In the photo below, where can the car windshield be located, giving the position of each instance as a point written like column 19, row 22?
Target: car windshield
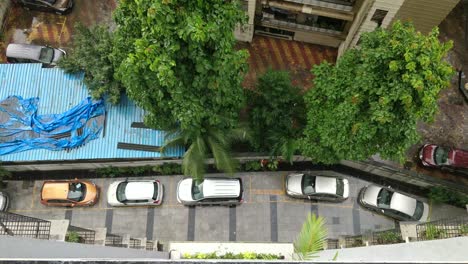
column 121, row 191
column 418, row 212
column 197, row 191
column 76, row 191
column 339, row 187
column 308, row 184
column 47, row 55
column 441, row 155
column 383, row 198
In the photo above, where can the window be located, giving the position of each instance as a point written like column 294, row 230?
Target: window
column 76, row 191
column 121, row 192
column 383, row 198
column 197, row 191
column 339, row 187
column 379, row 16
column 308, row 184
column 58, row 201
column 441, row 156
column 418, row 212
column 155, row 193
column 47, row 55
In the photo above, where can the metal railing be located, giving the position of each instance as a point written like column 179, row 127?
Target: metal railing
column 391, row 236
column 135, row 243
column 114, row 241
column 333, row 243
column 354, row 241
column 19, row 225
column 85, row 236
column 445, row 228
column 149, row 245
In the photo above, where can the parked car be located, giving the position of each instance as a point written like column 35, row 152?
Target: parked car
column 27, row 53
column 318, row 185
column 69, row 193
column 211, row 191
column 436, row 156
column 135, row 192
column 60, row 7
column 4, row 201
column 393, row 204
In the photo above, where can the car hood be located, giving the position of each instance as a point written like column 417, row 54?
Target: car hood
column 425, row 215
column 92, row 192
column 58, row 54
column 293, row 183
column 112, row 193
column 427, row 154
column 403, row 203
column 184, row 190
column 370, row 194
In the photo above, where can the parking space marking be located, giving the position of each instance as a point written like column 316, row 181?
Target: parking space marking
column 150, row 223
column 267, row 192
column 274, row 218
column 109, row 220
column 61, row 30
column 33, row 198
column 250, row 188
column 232, row 223
column 191, row 224
column 171, row 186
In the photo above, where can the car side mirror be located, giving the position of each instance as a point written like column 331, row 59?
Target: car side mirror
column 308, row 197
column 383, row 211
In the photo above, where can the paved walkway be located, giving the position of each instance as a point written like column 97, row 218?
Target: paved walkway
column 267, row 215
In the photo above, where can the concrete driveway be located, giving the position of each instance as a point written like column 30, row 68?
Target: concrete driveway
column 267, row 214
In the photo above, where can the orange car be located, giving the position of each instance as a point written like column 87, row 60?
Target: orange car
column 69, row 193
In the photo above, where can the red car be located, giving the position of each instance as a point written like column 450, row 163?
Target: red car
column 436, row 156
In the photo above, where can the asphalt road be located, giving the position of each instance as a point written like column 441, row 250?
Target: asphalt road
column 267, row 215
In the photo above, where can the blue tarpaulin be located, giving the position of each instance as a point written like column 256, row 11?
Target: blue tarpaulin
column 22, row 129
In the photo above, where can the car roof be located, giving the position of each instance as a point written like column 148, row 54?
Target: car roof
column 141, row 190
column 216, row 187
column 55, row 190
column 325, row 184
column 371, row 193
column 403, row 203
column 23, row 51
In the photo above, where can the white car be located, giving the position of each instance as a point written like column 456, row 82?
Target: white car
column 135, row 192
column 4, row 201
column 318, row 185
column 210, row 191
column 394, row 204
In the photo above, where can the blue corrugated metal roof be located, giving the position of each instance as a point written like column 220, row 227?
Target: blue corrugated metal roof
column 59, row 92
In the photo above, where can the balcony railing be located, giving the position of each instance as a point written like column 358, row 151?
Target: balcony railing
column 354, row 241
column 113, row 240
column 24, row 226
column 391, row 236
column 447, row 228
column 342, row 5
column 266, row 21
column 136, row 243
column 84, row 236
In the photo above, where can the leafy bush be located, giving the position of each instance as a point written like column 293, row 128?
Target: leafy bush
column 168, row 168
column 389, row 237
column 108, row 172
column 4, row 174
column 73, row 236
column 253, row 165
column 442, row 195
column 277, row 114
column 432, row 232
column 230, row 255
column 464, row 230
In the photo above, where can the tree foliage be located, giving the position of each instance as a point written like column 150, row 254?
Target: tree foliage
column 311, row 238
column 180, row 64
column 277, row 114
column 91, row 53
column 372, row 99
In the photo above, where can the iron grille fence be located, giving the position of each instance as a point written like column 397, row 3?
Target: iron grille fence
column 135, row 243
column 85, row 236
column 19, row 225
column 332, row 243
column 354, row 241
column 149, row 245
column 114, row 241
column 391, row 236
column 446, row 228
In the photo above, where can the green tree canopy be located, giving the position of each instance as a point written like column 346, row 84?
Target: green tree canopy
column 91, row 53
column 372, row 99
column 277, row 114
column 180, row 64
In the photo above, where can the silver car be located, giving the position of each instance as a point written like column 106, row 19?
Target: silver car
column 135, row 192
column 318, row 185
column 4, row 201
column 392, row 203
column 27, row 53
column 211, row 191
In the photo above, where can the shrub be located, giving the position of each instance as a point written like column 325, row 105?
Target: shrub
column 389, row 237
column 230, row 255
column 432, row 232
column 253, row 165
column 464, row 230
column 4, row 174
column 168, row 168
column 442, row 195
column 73, row 237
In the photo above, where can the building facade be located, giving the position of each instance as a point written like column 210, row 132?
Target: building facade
column 336, row 23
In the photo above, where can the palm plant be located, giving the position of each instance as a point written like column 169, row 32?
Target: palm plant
column 202, row 143
column 312, row 237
